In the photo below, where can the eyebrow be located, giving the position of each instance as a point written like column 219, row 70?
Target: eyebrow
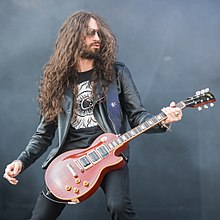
column 93, row 28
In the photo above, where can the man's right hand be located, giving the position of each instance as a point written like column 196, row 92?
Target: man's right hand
column 12, row 170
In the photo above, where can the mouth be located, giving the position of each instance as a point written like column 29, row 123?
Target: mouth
column 96, row 45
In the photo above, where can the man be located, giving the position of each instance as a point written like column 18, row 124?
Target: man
column 74, row 99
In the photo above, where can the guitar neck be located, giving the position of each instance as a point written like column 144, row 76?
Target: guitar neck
column 148, row 124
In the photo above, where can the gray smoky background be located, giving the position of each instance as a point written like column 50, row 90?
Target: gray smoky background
column 172, row 48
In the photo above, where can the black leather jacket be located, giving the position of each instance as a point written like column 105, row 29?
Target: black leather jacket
column 131, row 110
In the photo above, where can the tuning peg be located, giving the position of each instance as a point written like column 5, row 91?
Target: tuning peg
column 199, row 108
column 211, row 104
column 206, row 106
column 206, row 90
column 198, row 93
column 203, row 91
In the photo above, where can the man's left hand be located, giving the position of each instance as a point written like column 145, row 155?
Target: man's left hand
column 173, row 113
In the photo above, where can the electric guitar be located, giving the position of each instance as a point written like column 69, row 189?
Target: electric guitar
column 76, row 174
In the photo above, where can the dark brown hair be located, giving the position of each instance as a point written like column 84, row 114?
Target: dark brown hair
column 61, row 70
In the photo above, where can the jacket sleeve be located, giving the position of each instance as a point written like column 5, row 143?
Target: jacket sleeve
column 39, row 143
column 131, row 101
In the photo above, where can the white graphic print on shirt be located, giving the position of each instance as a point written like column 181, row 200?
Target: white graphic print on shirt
column 84, row 112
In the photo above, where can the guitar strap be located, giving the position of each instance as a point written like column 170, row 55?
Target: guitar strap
column 113, row 106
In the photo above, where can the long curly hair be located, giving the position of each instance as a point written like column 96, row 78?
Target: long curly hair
column 60, row 72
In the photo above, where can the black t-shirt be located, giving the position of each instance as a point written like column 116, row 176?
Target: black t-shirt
column 84, row 128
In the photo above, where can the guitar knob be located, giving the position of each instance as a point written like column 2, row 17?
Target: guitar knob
column 85, row 183
column 203, row 91
column 211, row 104
column 77, row 180
column 198, row 93
column 206, row 106
column 68, row 188
column 76, row 190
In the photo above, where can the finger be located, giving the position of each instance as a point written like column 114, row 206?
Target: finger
column 13, row 181
column 169, row 112
column 9, row 171
column 10, row 179
column 13, row 169
column 172, row 115
column 174, row 111
column 172, row 104
column 16, row 170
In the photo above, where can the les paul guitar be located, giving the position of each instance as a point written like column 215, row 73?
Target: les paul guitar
column 76, row 174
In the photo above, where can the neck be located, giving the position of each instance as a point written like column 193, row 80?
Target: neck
column 85, row 64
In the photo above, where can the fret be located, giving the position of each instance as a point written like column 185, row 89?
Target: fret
column 135, row 130
column 123, row 137
column 114, row 143
column 129, row 135
column 163, row 115
column 139, row 129
column 150, row 122
column 155, row 120
column 146, row 124
column 120, row 140
column 117, row 142
column 111, row 146
column 159, row 117
column 132, row 132
column 143, row 126
column 108, row 147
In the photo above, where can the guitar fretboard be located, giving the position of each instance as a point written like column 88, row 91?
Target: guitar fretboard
column 149, row 123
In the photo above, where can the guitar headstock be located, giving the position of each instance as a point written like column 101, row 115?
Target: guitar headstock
column 201, row 98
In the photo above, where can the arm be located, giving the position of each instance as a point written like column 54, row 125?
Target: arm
column 132, row 105
column 38, row 144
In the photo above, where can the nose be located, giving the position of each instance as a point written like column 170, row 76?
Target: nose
column 96, row 36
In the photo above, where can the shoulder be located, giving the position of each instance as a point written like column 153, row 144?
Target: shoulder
column 121, row 69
